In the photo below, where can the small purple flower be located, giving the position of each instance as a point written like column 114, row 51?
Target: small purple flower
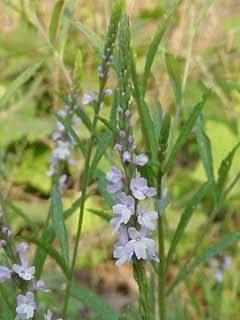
column 141, row 160
column 5, row 273
column 118, row 147
column 126, row 157
column 24, row 272
column 115, row 180
column 26, row 306
column 89, row 98
column 140, row 245
column 140, row 189
column 219, row 276
column 122, row 215
column 147, row 219
column 40, row 286
column 48, row 315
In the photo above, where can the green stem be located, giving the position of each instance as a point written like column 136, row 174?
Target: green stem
column 140, row 277
column 161, row 252
column 84, row 195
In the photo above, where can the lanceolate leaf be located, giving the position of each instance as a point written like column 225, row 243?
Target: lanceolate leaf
column 17, row 83
column 145, row 118
column 65, row 22
column 205, row 151
column 175, row 72
column 54, row 24
column 207, row 254
column 185, row 219
column 225, row 167
column 183, row 136
column 58, row 222
column 48, row 236
column 153, row 48
column 93, row 302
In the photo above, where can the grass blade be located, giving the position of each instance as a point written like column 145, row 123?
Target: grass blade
column 65, row 23
column 185, row 219
column 207, row 254
column 205, row 150
column 55, row 20
column 153, row 48
column 94, row 303
column 175, row 72
column 58, row 223
column 225, row 167
column 183, row 136
column 17, row 83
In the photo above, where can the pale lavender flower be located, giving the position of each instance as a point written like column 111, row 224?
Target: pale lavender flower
column 26, row 306
column 219, row 276
column 141, row 160
column 125, row 199
column 126, row 157
column 88, row 98
column 140, row 245
column 6, row 232
column 118, row 147
column 22, row 249
column 2, row 243
column 122, row 215
column 60, row 126
column 140, row 189
column 40, row 286
column 147, row 219
column 5, row 273
column 115, row 180
column 227, row 262
column 62, row 151
column 62, row 181
column 24, row 271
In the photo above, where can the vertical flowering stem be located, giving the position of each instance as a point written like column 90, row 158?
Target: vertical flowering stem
column 161, row 248
column 103, row 75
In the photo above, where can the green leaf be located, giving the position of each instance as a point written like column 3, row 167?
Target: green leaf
column 207, row 254
column 91, row 300
column 48, row 248
column 205, row 150
column 175, row 72
column 58, row 223
column 65, row 23
column 153, row 48
column 225, row 167
column 101, row 214
column 48, row 236
column 185, row 219
column 145, row 117
column 55, row 20
column 183, row 136
column 104, row 141
column 17, row 83
column 91, row 36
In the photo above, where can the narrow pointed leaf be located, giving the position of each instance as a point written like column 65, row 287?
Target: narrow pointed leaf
column 185, row 219
column 205, row 150
column 55, row 19
column 153, row 48
column 225, row 167
column 17, row 83
column 144, row 114
column 183, row 135
column 58, row 222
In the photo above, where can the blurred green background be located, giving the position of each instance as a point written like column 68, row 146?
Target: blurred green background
column 205, row 40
